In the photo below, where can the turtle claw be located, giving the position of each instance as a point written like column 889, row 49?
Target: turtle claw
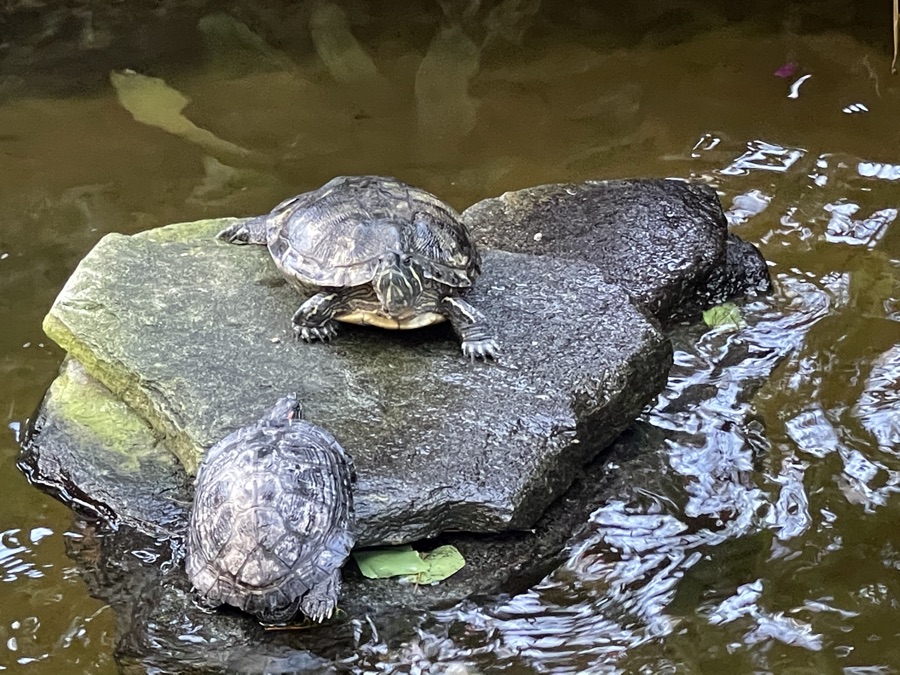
column 481, row 349
column 318, row 609
column 321, row 333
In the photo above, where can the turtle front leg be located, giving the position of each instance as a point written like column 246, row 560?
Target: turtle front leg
column 474, row 330
column 315, row 318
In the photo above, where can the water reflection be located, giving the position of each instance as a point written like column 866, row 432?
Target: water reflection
column 763, row 156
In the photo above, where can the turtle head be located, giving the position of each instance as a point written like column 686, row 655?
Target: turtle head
column 287, row 408
column 398, row 283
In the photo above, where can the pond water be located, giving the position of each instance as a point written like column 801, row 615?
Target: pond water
column 759, row 528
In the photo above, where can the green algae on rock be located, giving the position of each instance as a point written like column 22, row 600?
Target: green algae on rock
column 100, row 454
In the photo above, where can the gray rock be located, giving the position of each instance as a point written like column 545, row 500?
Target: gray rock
column 664, row 241
column 195, row 336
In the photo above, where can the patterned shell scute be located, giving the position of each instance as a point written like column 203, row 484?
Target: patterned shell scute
column 272, row 517
column 336, row 235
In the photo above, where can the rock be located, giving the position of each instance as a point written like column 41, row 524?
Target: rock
column 745, row 272
column 195, row 335
column 233, row 50
column 68, row 49
column 664, row 241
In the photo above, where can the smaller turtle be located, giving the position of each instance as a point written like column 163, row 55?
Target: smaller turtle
column 375, row 251
column 272, row 521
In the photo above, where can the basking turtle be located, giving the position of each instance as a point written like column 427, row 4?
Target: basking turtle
column 272, row 519
column 374, row 251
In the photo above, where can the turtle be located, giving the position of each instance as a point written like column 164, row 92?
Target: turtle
column 373, row 250
column 272, row 519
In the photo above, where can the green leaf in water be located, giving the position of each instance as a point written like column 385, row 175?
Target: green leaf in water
column 403, row 561
column 724, row 315
column 381, row 563
column 443, row 562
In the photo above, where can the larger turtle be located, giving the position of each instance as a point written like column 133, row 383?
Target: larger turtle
column 272, row 521
column 375, row 251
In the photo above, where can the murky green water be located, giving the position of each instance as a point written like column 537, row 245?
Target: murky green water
column 760, row 533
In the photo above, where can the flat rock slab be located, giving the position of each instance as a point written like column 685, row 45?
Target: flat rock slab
column 664, row 241
column 195, row 335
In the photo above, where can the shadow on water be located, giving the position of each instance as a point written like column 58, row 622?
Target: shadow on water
column 751, row 517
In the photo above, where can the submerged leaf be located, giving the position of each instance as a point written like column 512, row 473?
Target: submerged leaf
column 381, row 563
column 151, row 101
column 726, row 314
column 344, row 56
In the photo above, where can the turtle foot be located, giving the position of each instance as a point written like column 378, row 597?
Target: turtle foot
column 204, row 602
column 481, row 349
column 321, row 600
column 321, row 333
column 318, row 609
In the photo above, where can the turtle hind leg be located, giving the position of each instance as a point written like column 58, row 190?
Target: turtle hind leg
column 246, row 231
column 473, row 328
column 321, row 600
column 315, row 318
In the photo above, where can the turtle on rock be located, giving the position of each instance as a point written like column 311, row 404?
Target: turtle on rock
column 272, row 520
column 375, row 251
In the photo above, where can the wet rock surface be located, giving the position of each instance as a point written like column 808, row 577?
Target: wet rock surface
column 195, row 335
column 664, row 241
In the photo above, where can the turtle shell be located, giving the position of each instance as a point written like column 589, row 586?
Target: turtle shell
column 335, row 236
column 272, row 516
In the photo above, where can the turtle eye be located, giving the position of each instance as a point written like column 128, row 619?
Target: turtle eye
column 406, row 260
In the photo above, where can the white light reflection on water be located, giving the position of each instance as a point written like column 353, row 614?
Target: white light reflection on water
column 56, row 638
column 795, row 87
column 747, row 205
column 842, row 228
column 763, row 156
column 15, row 558
column 879, row 170
column 878, row 405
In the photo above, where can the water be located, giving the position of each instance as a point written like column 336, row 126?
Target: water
column 757, row 530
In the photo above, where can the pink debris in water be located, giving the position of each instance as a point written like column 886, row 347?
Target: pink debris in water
column 787, row 70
